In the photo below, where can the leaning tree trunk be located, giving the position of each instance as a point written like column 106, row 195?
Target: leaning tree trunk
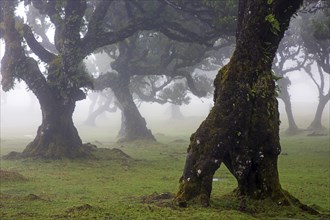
column 242, row 129
column 316, row 126
column 134, row 126
column 285, row 96
column 57, row 137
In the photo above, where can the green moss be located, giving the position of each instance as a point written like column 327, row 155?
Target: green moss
column 275, row 25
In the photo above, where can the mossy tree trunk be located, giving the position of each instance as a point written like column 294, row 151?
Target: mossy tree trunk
column 242, row 129
column 57, row 136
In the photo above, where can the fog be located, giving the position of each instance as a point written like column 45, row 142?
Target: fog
column 21, row 115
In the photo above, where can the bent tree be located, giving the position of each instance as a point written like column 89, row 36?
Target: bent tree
column 61, row 85
column 242, row 129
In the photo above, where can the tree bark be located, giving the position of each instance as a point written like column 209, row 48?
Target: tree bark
column 242, row 129
column 134, row 126
column 57, row 137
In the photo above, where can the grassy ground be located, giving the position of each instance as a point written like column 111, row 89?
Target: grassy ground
column 143, row 186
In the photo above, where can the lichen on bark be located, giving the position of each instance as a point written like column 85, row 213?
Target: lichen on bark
column 242, row 129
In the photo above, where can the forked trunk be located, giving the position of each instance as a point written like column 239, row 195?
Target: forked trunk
column 242, row 129
column 57, row 137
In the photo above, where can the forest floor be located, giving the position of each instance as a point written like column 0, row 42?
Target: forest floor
column 139, row 181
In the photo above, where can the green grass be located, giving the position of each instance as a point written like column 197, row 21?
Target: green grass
column 117, row 188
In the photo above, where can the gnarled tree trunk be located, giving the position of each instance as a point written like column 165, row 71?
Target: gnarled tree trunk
column 242, row 129
column 57, row 137
column 134, row 126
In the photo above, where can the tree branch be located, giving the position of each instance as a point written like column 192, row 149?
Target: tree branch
column 93, row 41
column 15, row 64
column 36, row 47
column 177, row 32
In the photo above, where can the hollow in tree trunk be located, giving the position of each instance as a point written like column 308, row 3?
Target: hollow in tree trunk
column 242, row 129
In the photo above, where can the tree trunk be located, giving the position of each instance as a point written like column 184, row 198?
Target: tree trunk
column 175, row 112
column 134, row 126
column 285, row 96
column 316, row 127
column 242, row 129
column 57, row 136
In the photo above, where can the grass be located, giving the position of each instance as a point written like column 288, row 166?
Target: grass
column 143, row 186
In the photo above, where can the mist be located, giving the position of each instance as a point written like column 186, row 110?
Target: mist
column 21, row 115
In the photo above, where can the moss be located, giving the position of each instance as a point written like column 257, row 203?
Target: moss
column 188, row 189
column 275, row 25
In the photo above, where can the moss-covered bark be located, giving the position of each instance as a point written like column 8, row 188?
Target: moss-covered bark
column 57, row 136
column 242, row 129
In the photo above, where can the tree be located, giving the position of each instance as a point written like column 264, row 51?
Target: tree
column 65, row 78
column 316, row 41
column 242, row 129
column 141, row 61
column 316, row 127
column 183, row 26
column 105, row 102
column 288, row 59
column 176, row 91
